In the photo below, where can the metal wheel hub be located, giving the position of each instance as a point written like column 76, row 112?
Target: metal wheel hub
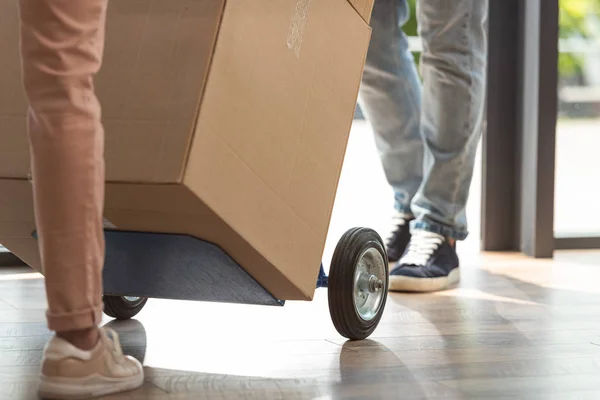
column 132, row 299
column 369, row 283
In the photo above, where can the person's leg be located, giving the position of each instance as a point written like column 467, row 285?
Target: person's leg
column 453, row 68
column 62, row 43
column 390, row 97
column 61, row 50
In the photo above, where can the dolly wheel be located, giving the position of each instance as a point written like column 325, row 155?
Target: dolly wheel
column 123, row 307
column 358, row 283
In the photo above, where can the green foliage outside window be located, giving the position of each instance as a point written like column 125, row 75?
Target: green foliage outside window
column 572, row 22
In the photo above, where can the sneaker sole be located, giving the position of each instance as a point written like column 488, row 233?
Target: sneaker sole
column 424, row 285
column 86, row 388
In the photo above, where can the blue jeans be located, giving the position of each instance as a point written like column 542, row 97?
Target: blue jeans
column 427, row 132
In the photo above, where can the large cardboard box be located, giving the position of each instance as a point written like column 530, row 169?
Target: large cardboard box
column 225, row 120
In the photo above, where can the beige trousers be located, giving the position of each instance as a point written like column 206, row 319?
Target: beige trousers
column 62, row 44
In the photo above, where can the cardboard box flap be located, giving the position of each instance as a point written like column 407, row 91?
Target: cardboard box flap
column 156, row 60
column 364, row 8
column 151, row 84
column 14, row 147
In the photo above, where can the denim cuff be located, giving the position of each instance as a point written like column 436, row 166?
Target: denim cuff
column 402, row 201
column 446, row 231
column 404, row 210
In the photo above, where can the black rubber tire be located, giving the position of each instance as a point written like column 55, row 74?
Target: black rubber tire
column 134, row 339
column 347, row 254
column 122, row 309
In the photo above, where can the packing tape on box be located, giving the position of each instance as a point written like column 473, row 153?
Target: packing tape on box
column 296, row 33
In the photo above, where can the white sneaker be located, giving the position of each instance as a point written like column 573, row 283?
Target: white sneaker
column 71, row 373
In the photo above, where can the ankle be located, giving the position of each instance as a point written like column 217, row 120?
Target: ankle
column 84, row 339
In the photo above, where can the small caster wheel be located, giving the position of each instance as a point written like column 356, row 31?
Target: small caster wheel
column 123, row 307
column 358, row 283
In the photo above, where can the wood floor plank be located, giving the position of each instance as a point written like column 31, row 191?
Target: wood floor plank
column 514, row 329
column 5, row 306
column 24, row 329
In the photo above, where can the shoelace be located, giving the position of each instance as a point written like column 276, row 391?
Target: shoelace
column 422, row 246
column 398, row 220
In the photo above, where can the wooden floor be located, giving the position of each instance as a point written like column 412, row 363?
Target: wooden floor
column 516, row 328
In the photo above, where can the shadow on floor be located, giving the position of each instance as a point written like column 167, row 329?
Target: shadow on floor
column 373, row 372
column 497, row 337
